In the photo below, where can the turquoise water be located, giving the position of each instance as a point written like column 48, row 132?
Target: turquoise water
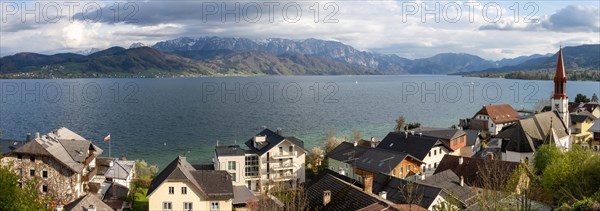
column 158, row 119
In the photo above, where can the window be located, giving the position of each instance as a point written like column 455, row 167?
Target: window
column 434, row 152
column 435, row 165
column 45, row 174
column 171, row 190
column 214, row 205
column 187, row 206
column 45, row 188
column 440, row 150
column 454, row 142
column 233, row 175
column 401, row 170
column 429, row 154
column 184, row 190
column 280, row 149
column 291, row 148
column 32, row 158
column 19, row 156
column 167, row 206
column 32, row 172
column 231, row 165
column 20, row 172
column 408, row 169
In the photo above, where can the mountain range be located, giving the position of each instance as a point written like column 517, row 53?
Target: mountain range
column 221, row 55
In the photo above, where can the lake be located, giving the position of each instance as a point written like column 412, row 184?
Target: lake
column 158, row 119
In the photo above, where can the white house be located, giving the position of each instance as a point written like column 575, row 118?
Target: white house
column 494, row 117
column 430, row 150
column 270, row 158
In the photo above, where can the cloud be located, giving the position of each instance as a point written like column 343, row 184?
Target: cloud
column 572, row 18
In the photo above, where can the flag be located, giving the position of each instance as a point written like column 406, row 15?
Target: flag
column 107, row 138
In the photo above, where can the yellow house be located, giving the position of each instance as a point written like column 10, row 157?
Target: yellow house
column 181, row 187
column 580, row 124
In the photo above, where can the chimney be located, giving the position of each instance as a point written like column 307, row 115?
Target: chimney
column 27, row 137
column 37, row 135
column 412, row 132
column 355, row 143
column 279, row 131
column 405, row 134
column 326, row 197
column 383, row 194
column 422, row 176
column 368, row 183
column 258, row 140
column 372, row 139
column 462, row 181
column 460, row 160
column 91, row 208
column 420, row 134
column 490, row 156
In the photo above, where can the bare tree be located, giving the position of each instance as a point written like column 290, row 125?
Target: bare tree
column 356, row 135
column 282, row 197
column 316, row 156
column 400, row 122
column 331, row 141
column 411, row 193
column 496, row 182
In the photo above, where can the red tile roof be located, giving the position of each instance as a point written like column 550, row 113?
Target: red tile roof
column 501, row 113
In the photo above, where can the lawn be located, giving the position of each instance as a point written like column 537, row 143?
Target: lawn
column 140, row 202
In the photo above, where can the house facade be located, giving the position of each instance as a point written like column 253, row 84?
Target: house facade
column 581, row 122
column 181, row 187
column 493, row 118
column 270, row 159
column 456, row 139
column 61, row 161
column 429, row 150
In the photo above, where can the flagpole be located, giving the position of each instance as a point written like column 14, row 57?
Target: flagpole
column 109, row 143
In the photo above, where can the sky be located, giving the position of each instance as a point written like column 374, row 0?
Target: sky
column 412, row 29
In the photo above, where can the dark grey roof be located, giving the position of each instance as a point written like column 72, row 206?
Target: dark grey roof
column 84, row 202
column 231, row 150
column 102, row 165
column 473, row 170
column 472, row 137
column 595, row 128
column 344, row 196
column 9, row 145
column 450, row 182
column 395, row 188
column 347, row 152
column 415, row 145
column 516, row 140
column 272, row 140
column 211, row 184
column 581, row 117
column 443, row 133
column 208, row 166
column 120, row 169
column 379, row 160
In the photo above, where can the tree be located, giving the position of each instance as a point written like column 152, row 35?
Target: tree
column 331, row 141
column 545, row 155
column 580, row 98
column 12, row 197
column 413, row 125
column 144, row 169
column 315, row 156
column 412, row 193
column 595, row 98
column 399, row 124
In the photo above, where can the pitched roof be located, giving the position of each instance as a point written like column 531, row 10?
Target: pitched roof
column 581, row 117
column 115, row 196
column 380, row 160
column 272, row 140
column 529, row 133
column 443, row 133
column 347, row 152
column 120, row 169
column 102, row 165
column 500, row 113
column 395, row 188
column 595, row 128
column 344, row 196
column 415, row 145
column 84, row 202
column 450, row 182
column 475, row 170
column 64, row 145
column 472, row 137
column 7, row 146
column 211, row 184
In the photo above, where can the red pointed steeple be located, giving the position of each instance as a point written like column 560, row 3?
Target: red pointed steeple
column 560, row 78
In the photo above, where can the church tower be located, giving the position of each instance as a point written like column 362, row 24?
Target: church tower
column 560, row 101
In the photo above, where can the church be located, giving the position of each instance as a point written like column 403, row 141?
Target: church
column 520, row 141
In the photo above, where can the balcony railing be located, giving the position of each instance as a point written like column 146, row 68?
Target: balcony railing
column 282, row 166
column 284, row 155
column 284, row 177
column 90, row 175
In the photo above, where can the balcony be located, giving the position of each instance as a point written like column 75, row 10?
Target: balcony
column 282, row 166
column 284, row 177
column 282, row 155
column 90, row 175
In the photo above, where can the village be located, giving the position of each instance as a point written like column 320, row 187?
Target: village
column 488, row 161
